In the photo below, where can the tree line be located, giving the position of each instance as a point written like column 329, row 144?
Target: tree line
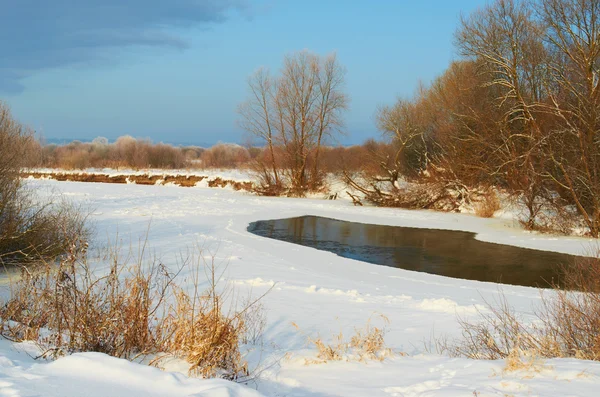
column 141, row 153
column 519, row 109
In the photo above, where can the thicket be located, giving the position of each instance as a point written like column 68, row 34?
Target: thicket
column 136, row 153
column 32, row 227
column 519, row 109
column 129, row 152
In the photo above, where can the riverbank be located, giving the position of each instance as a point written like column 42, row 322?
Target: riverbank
column 325, row 294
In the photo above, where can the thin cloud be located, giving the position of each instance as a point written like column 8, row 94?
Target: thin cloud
column 37, row 35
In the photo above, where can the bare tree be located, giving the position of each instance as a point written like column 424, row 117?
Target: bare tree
column 331, row 102
column 257, row 119
column 296, row 112
column 507, row 43
column 573, row 35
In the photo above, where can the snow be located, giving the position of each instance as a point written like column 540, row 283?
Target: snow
column 95, row 374
column 322, row 293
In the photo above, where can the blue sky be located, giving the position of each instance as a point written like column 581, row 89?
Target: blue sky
column 174, row 71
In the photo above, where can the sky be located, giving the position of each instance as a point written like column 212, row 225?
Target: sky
column 175, row 71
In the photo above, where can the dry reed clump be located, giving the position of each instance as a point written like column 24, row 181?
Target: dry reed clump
column 66, row 308
column 488, row 205
column 143, row 179
column 567, row 323
column 183, row 180
column 367, row 343
column 135, row 310
column 205, row 333
column 519, row 360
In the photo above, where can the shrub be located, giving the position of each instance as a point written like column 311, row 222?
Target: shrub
column 30, row 228
column 567, row 323
column 136, row 309
column 488, row 205
column 165, row 156
column 225, row 155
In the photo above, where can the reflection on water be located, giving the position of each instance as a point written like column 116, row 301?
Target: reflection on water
column 443, row 252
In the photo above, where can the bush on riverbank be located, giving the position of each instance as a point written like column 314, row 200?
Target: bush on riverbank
column 31, row 228
column 567, row 323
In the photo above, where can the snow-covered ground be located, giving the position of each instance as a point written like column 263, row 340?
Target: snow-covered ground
column 319, row 291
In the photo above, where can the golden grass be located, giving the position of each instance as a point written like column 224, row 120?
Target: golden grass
column 143, row 179
column 136, row 309
column 367, row 343
column 488, row 205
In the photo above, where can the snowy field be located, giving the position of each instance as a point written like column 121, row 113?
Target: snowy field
column 321, row 292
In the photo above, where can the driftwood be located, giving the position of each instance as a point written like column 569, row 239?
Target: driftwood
column 355, row 200
column 436, row 194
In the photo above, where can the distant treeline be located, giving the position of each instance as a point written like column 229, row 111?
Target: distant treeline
column 135, row 153
column 141, row 153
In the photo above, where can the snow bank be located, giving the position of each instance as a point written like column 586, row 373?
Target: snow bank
column 95, row 374
column 323, row 293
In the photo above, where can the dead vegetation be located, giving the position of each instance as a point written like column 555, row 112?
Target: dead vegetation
column 137, row 308
column 32, row 227
column 446, row 196
column 367, row 343
column 487, row 206
column 141, row 179
column 566, row 324
column 293, row 121
column 219, row 182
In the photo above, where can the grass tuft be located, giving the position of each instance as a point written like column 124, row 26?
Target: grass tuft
column 136, row 309
column 367, row 343
column 488, row 205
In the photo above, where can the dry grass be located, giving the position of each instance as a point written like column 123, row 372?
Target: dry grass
column 31, row 227
column 183, row 181
column 567, row 324
column 219, row 182
column 365, row 344
column 488, row 205
column 518, row 360
column 136, row 309
column 206, row 333
column 143, row 179
column 67, row 309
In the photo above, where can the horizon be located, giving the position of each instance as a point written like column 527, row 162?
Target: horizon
column 176, row 72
